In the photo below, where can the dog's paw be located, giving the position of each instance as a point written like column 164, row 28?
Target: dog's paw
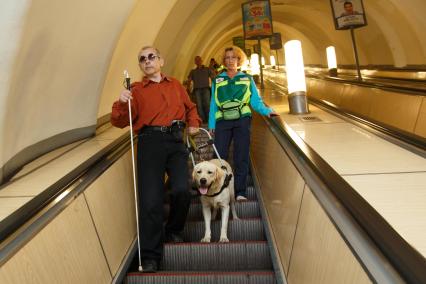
column 205, row 240
column 224, row 240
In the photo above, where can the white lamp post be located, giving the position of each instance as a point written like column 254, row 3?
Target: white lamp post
column 245, row 65
column 272, row 60
column 296, row 83
column 254, row 64
column 331, row 61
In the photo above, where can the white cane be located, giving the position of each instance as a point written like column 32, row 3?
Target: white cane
column 134, row 168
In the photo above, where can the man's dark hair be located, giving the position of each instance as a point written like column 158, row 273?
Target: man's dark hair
column 347, row 2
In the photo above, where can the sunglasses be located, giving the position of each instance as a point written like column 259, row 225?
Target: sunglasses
column 150, row 57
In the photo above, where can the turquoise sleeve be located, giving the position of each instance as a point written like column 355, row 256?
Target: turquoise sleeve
column 213, row 108
column 256, row 101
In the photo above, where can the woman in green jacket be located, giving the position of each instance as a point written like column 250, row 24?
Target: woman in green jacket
column 233, row 92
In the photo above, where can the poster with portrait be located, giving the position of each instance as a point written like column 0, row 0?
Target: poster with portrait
column 257, row 19
column 275, row 41
column 348, row 14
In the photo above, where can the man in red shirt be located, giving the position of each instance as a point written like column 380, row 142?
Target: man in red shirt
column 160, row 106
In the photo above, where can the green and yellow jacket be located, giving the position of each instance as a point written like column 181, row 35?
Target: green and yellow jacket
column 240, row 88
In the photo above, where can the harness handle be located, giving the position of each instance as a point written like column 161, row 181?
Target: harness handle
column 193, row 147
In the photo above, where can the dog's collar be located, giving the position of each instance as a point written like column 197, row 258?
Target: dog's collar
column 228, row 178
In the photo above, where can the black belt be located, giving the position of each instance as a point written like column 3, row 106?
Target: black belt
column 164, row 129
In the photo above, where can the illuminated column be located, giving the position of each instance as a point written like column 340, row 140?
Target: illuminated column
column 272, row 60
column 263, row 61
column 254, row 66
column 331, row 61
column 296, row 84
column 245, row 65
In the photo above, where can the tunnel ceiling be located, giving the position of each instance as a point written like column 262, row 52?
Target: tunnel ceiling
column 210, row 25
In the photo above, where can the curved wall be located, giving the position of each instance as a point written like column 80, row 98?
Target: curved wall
column 57, row 59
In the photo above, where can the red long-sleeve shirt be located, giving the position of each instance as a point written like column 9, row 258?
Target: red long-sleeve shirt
column 156, row 104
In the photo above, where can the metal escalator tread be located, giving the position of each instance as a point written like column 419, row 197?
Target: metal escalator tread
column 247, row 209
column 233, row 256
column 246, row 277
column 245, row 259
column 238, row 230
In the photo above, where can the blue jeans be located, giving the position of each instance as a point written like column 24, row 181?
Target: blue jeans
column 202, row 95
column 239, row 131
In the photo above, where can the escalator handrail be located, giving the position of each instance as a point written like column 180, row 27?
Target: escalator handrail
column 409, row 263
column 22, row 215
column 353, row 71
column 390, row 88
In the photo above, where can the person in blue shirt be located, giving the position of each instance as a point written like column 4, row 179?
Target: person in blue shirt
column 233, row 93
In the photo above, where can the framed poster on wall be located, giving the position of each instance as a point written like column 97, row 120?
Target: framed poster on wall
column 275, row 41
column 348, row 14
column 239, row 41
column 256, row 48
column 257, row 19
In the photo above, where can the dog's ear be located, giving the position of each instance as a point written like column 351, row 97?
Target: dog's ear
column 219, row 173
column 194, row 171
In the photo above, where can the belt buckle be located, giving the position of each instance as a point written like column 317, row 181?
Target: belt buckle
column 164, row 129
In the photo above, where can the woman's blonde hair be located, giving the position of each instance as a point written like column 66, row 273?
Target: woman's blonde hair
column 238, row 52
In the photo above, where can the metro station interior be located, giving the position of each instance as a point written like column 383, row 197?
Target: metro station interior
column 336, row 194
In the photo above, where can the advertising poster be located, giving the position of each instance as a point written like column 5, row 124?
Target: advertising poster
column 275, row 41
column 256, row 48
column 348, row 14
column 239, row 41
column 257, row 19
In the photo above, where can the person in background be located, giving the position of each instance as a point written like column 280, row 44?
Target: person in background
column 230, row 115
column 160, row 109
column 214, row 67
column 201, row 76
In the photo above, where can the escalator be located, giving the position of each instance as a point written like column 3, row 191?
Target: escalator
column 397, row 78
column 245, row 259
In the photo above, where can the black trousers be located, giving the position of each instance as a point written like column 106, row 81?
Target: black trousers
column 160, row 153
column 202, row 96
column 239, row 131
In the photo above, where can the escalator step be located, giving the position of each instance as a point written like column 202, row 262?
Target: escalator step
column 243, row 277
column 238, row 230
column 248, row 209
column 233, row 256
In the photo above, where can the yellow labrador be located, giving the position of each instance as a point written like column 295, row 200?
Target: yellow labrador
column 211, row 180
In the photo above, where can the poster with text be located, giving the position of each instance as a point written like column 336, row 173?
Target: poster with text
column 239, row 41
column 348, row 14
column 275, row 41
column 257, row 19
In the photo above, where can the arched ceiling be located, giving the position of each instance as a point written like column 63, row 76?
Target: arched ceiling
column 70, row 61
column 210, row 25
